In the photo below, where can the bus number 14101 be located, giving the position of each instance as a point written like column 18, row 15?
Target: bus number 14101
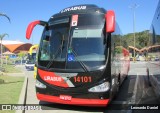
column 83, row 79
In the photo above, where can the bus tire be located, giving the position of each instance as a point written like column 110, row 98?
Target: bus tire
column 126, row 76
column 148, row 78
column 127, row 72
column 117, row 87
column 118, row 84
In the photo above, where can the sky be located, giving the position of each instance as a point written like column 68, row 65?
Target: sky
column 22, row 12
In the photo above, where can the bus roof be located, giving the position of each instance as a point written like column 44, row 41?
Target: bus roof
column 80, row 9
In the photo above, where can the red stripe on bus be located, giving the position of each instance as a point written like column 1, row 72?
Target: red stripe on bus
column 74, row 101
column 52, row 78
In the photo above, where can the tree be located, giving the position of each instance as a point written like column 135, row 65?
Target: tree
column 3, row 35
column 2, row 14
column 21, row 54
column 141, row 39
column 1, row 38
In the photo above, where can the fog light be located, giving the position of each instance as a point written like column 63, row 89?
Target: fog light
column 100, row 88
column 40, row 85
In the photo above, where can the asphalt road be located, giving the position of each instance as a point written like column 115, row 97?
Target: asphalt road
column 134, row 91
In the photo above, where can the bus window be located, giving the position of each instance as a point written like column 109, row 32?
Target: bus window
column 45, row 48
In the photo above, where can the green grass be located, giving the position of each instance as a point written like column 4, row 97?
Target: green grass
column 11, row 69
column 10, row 90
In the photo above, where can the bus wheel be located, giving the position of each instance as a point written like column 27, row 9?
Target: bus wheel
column 118, row 83
column 115, row 89
column 126, row 76
column 149, row 82
column 127, row 73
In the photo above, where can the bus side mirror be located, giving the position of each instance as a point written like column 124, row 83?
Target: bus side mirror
column 110, row 21
column 32, row 25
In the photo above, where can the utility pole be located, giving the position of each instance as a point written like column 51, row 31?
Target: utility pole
column 133, row 7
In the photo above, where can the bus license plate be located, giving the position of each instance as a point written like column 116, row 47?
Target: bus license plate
column 65, row 97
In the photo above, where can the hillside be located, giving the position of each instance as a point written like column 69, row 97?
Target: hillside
column 141, row 39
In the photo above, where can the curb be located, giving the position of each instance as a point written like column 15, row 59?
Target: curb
column 23, row 95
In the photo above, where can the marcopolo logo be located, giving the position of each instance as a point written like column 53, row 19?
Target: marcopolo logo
column 74, row 8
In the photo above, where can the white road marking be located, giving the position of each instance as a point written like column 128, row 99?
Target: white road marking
column 133, row 99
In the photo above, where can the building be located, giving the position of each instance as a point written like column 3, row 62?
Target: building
column 15, row 46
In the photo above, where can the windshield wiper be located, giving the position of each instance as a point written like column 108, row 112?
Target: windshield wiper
column 82, row 64
column 60, row 48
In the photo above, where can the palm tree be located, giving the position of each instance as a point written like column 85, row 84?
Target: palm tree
column 2, row 14
column 3, row 35
column 1, row 38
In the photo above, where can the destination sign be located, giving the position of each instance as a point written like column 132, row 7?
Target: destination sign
column 74, row 8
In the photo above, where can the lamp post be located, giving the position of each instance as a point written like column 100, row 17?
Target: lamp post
column 133, row 7
column 1, row 38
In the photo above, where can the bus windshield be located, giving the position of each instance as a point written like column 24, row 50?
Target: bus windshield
column 88, row 43
column 67, row 47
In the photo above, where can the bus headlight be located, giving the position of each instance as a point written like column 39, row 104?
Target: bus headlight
column 40, row 85
column 100, row 88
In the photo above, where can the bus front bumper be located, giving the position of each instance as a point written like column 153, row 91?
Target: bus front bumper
column 73, row 101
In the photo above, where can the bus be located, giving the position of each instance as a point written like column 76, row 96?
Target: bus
column 153, row 53
column 81, row 60
column 31, row 58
